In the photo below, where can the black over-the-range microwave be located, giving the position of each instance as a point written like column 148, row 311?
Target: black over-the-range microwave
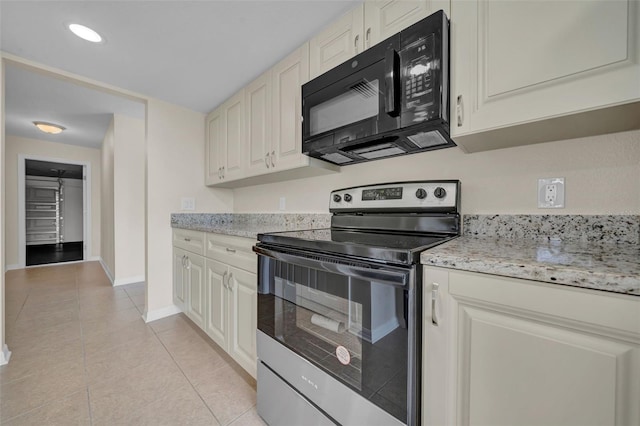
column 389, row 100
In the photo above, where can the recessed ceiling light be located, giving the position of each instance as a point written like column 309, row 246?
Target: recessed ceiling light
column 50, row 128
column 85, row 33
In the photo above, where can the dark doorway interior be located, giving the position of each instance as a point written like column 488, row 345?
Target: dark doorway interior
column 54, row 253
column 53, row 212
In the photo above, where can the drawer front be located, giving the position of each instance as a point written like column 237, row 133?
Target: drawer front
column 234, row 251
column 192, row 241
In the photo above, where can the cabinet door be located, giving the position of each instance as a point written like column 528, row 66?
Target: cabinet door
column 179, row 278
column 214, row 155
column 521, row 352
column 337, row 43
column 387, row 17
column 196, row 298
column 216, row 318
column 288, row 77
column 507, row 71
column 234, row 137
column 258, row 124
column 243, row 323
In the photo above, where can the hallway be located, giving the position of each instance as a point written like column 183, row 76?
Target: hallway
column 81, row 354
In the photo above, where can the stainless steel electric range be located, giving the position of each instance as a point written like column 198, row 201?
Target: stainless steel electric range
column 339, row 309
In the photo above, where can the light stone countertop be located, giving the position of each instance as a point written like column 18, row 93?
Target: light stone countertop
column 596, row 252
column 249, row 225
column 609, row 267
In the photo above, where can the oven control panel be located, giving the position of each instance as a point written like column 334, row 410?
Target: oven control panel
column 405, row 196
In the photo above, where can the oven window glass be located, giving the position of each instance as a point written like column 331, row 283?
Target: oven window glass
column 354, row 329
column 358, row 102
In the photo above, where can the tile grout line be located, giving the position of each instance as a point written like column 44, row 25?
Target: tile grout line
column 185, row 376
column 84, row 352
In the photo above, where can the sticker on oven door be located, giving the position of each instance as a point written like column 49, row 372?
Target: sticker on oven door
column 343, row 355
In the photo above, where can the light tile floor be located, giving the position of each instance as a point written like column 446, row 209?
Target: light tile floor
column 82, row 355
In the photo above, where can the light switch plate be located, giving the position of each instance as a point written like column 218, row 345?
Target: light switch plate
column 188, row 204
column 551, row 193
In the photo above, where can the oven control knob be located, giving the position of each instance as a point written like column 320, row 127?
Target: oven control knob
column 337, row 198
column 440, row 192
column 347, row 198
column 421, row 194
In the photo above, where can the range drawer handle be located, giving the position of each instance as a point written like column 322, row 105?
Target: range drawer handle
column 230, row 250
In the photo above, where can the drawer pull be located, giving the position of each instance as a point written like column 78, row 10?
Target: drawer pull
column 434, row 301
column 230, row 250
column 187, row 239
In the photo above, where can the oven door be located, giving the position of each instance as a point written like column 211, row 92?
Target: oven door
column 353, row 321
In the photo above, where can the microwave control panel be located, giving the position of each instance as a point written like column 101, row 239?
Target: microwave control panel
column 420, row 70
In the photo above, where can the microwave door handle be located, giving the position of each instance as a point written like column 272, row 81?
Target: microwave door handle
column 392, row 83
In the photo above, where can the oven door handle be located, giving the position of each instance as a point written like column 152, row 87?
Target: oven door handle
column 386, row 275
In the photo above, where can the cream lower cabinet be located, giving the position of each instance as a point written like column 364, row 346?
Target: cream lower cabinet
column 188, row 284
column 505, row 351
column 534, row 71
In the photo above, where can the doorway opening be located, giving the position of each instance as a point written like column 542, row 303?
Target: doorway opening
column 53, row 211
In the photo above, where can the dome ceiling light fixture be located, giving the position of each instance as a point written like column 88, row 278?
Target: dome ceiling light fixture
column 50, row 128
column 85, row 33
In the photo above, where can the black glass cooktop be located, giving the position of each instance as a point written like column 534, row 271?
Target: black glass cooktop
column 388, row 247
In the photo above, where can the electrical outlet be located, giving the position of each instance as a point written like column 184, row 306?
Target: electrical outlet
column 188, row 204
column 551, row 193
column 283, row 203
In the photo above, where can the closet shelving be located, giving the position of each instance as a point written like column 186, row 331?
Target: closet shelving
column 44, row 206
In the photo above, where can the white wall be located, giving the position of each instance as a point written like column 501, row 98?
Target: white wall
column 107, row 241
column 128, row 199
column 16, row 146
column 602, row 177
column 175, row 169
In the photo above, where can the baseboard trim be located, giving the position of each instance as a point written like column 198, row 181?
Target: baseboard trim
column 157, row 314
column 5, row 355
column 11, row 267
column 128, row 280
column 106, row 269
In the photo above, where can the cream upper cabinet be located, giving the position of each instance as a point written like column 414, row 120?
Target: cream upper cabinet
column 288, row 77
column 258, row 132
column 225, row 144
column 534, row 71
column 364, row 26
column 258, row 123
column 335, row 44
column 387, row 17
column 214, row 147
column 510, row 351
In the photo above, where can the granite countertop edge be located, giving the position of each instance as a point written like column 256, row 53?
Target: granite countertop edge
column 609, row 267
column 229, row 229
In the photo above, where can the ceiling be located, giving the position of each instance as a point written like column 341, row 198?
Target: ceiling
column 190, row 53
column 85, row 113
